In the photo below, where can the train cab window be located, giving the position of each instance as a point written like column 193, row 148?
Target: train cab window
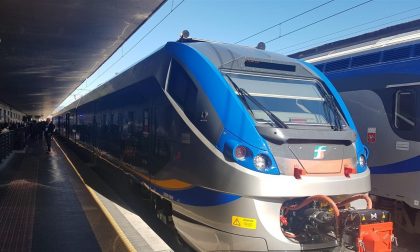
column 120, row 119
column 293, row 102
column 131, row 116
column 111, row 119
column 405, row 110
column 193, row 101
column 182, row 89
column 103, row 123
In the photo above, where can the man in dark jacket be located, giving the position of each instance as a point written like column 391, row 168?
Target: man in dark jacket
column 49, row 130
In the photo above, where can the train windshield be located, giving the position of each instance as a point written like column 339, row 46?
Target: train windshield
column 286, row 102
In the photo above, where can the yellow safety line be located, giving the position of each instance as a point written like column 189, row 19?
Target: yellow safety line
column 108, row 215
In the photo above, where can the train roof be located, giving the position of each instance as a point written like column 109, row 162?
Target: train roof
column 243, row 58
column 391, row 35
column 223, row 56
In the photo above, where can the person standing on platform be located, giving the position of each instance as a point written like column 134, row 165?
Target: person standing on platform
column 49, row 130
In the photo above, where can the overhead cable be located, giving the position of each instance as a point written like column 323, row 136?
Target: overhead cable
column 282, row 22
column 354, row 33
column 347, row 34
column 123, row 54
column 141, row 39
column 352, row 27
column 318, row 21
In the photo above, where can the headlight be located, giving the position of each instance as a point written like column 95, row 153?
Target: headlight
column 362, row 161
column 261, row 162
column 240, row 153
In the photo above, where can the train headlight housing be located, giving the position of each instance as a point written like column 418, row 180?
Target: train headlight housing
column 247, row 155
column 261, row 162
column 362, row 161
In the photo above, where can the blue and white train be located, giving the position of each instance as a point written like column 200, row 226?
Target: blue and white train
column 378, row 76
column 248, row 150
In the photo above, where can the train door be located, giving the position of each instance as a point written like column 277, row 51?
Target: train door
column 154, row 139
column 404, row 179
column 406, row 114
column 58, row 126
column 145, row 139
column 67, row 126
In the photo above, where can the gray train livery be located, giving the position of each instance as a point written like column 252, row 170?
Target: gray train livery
column 378, row 76
column 244, row 149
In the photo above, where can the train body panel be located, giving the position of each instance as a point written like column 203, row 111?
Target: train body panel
column 392, row 155
column 377, row 75
column 182, row 123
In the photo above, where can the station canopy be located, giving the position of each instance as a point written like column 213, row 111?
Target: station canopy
column 48, row 47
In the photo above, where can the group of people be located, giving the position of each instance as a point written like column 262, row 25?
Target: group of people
column 6, row 127
column 36, row 130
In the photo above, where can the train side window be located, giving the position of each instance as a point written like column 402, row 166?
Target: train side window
column 405, row 110
column 182, row 89
column 111, row 119
column 131, row 116
column 146, row 120
column 103, row 123
column 120, row 119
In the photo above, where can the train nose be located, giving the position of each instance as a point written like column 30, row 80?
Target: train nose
column 318, row 158
column 312, row 152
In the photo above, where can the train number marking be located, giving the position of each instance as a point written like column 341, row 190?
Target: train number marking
column 242, row 222
column 204, row 116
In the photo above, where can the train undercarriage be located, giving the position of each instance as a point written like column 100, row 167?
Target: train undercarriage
column 320, row 219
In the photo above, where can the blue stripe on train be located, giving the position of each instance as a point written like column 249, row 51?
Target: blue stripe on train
column 232, row 113
column 409, row 165
column 197, row 196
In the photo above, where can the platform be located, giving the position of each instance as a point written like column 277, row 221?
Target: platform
column 47, row 204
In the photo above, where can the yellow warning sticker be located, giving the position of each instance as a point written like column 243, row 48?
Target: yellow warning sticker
column 242, row 222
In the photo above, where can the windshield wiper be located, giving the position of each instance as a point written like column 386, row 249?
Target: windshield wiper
column 243, row 93
column 272, row 116
column 331, row 104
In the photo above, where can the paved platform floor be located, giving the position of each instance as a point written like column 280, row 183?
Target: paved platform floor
column 39, row 206
column 46, row 205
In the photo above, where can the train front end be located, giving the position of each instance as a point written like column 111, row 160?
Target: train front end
column 290, row 158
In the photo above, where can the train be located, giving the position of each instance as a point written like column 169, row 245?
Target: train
column 242, row 149
column 9, row 114
column 377, row 75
